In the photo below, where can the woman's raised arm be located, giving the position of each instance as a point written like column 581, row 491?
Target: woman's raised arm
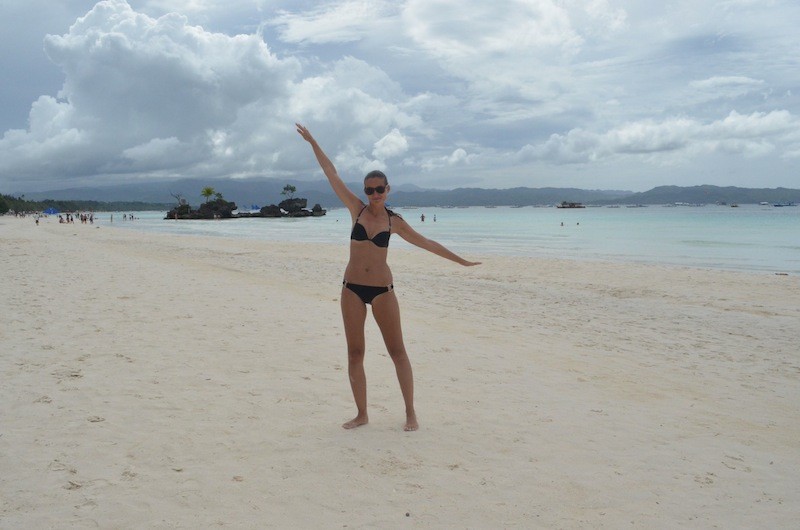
column 350, row 199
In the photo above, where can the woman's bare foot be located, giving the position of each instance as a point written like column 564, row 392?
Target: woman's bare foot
column 358, row 421
column 411, row 422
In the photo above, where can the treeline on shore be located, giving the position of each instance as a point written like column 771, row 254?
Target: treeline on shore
column 9, row 203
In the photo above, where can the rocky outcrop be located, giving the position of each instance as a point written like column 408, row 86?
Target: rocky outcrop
column 270, row 211
column 222, row 209
column 217, row 209
column 292, row 206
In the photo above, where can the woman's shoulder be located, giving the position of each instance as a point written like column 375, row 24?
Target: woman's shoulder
column 356, row 209
column 394, row 214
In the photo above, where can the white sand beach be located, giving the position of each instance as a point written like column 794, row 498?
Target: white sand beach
column 154, row 381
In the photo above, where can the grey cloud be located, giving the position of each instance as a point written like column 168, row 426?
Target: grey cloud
column 461, row 91
column 138, row 87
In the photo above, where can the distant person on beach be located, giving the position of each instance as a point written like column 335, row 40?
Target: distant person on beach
column 368, row 280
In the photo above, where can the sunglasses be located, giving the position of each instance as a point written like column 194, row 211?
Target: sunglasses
column 370, row 190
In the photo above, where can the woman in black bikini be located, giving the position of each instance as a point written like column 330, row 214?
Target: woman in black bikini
column 368, row 280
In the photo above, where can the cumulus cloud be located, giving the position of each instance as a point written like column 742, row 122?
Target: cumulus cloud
column 358, row 111
column 392, row 145
column 750, row 135
column 162, row 97
column 458, row 157
column 134, row 81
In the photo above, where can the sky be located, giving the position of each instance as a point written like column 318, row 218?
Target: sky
column 593, row 94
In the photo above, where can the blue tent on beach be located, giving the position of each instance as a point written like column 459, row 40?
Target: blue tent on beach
column 51, row 211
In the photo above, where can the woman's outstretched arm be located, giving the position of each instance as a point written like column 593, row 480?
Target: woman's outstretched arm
column 404, row 230
column 350, row 200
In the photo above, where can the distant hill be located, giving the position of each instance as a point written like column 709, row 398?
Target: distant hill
column 712, row 194
column 261, row 192
column 502, row 197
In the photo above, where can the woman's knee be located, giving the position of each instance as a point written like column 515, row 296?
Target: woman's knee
column 398, row 353
column 355, row 354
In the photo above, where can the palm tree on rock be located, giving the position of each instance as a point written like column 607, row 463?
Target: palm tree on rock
column 207, row 192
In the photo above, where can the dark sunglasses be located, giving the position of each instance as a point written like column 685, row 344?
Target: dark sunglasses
column 370, row 191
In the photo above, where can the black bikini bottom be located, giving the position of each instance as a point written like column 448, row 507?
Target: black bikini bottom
column 367, row 293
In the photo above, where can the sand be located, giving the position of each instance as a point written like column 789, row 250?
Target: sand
column 153, row 381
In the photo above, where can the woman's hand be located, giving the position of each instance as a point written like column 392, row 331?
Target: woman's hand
column 349, row 199
column 470, row 263
column 304, row 133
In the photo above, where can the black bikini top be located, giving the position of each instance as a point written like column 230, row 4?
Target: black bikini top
column 359, row 233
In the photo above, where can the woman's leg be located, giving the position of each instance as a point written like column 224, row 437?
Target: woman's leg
column 354, row 313
column 386, row 311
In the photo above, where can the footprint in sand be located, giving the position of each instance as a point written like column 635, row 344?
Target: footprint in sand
column 57, row 465
column 706, row 480
column 67, row 374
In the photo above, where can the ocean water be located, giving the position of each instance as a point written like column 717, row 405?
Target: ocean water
column 748, row 238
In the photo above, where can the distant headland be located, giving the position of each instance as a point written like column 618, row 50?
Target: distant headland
column 151, row 196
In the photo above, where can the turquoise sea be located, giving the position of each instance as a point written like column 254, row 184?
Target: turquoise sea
column 748, row 238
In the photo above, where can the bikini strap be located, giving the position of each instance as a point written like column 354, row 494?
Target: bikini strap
column 359, row 213
column 389, row 212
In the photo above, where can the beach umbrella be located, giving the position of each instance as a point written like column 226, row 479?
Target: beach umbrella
column 51, row 211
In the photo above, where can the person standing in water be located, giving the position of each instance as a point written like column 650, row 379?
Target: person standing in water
column 368, row 281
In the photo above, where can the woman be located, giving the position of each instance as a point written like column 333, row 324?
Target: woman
column 368, row 280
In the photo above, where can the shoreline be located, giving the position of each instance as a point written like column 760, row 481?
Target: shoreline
column 169, row 381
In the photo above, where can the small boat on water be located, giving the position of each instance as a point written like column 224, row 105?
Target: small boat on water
column 565, row 204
